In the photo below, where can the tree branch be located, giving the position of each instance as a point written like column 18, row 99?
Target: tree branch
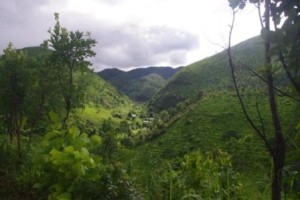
column 264, row 80
column 282, row 60
column 232, row 68
column 260, row 119
column 259, row 15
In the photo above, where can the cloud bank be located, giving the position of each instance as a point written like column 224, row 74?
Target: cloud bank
column 120, row 44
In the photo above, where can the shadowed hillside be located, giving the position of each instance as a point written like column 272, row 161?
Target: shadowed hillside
column 139, row 84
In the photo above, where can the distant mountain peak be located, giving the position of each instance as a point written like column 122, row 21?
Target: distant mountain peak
column 139, row 84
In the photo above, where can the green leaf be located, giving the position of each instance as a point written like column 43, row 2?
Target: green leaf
column 84, row 137
column 96, row 140
column 85, row 152
column 74, row 132
column 54, row 117
column 298, row 127
column 52, row 134
column 83, row 169
column 23, row 122
column 69, row 149
column 64, row 196
column 54, row 152
column 57, row 187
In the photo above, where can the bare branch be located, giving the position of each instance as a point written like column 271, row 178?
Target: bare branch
column 259, row 15
column 260, row 119
column 232, row 68
column 285, row 67
column 282, row 60
column 264, row 80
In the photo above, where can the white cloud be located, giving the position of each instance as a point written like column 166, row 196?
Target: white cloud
column 131, row 33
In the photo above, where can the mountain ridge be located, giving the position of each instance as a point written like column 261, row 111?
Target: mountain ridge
column 211, row 73
column 139, row 84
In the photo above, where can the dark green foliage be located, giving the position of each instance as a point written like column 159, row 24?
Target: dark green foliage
column 176, row 154
column 99, row 92
column 216, row 122
column 139, row 84
column 69, row 55
column 15, row 87
column 206, row 75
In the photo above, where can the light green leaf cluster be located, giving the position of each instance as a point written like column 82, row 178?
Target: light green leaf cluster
column 208, row 176
column 66, row 161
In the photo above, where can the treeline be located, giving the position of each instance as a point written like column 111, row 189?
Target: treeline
column 38, row 80
column 43, row 153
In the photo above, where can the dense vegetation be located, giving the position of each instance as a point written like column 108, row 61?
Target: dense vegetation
column 139, row 84
column 209, row 74
column 65, row 133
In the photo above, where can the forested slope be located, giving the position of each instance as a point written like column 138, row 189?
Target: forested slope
column 209, row 74
column 139, row 84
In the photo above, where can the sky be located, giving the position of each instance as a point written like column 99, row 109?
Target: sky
column 131, row 33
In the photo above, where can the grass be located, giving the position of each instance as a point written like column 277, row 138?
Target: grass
column 216, row 122
column 96, row 115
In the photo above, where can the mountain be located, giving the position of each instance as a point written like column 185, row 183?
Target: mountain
column 212, row 73
column 101, row 99
column 199, row 111
column 139, row 84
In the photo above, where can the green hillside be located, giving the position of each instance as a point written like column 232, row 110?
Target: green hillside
column 213, row 123
column 208, row 74
column 67, row 132
column 139, row 84
column 204, row 115
column 101, row 100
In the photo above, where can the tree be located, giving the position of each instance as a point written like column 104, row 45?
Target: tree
column 284, row 39
column 70, row 51
column 41, row 98
column 14, row 87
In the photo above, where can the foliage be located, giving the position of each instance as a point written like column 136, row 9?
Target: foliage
column 139, row 84
column 63, row 163
column 204, row 176
column 278, row 42
column 70, row 51
column 89, row 160
column 14, row 88
column 209, row 74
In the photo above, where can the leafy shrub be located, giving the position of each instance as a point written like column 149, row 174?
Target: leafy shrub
column 63, row 162
column 201, row 176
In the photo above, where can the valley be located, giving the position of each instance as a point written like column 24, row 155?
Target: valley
column 224, row 127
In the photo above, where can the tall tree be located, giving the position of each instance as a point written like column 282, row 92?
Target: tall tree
column 41, row 98
column 14, row 87
column 285, row 41
column 69, row 55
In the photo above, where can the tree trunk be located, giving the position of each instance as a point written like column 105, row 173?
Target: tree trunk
column 279, row 143
column 18, row 134
column 278, row 162
column 10, row 132
column 278, row 154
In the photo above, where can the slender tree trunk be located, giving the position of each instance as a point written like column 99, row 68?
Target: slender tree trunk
column 18, row 134
column 10, row 132
column 68, row 96
column 278, row 154
column 279, row 145
column 37, row 116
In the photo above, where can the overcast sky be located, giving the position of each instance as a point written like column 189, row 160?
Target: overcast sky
column 131, row 33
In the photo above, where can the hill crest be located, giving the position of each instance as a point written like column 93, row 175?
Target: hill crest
column 139, row 84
